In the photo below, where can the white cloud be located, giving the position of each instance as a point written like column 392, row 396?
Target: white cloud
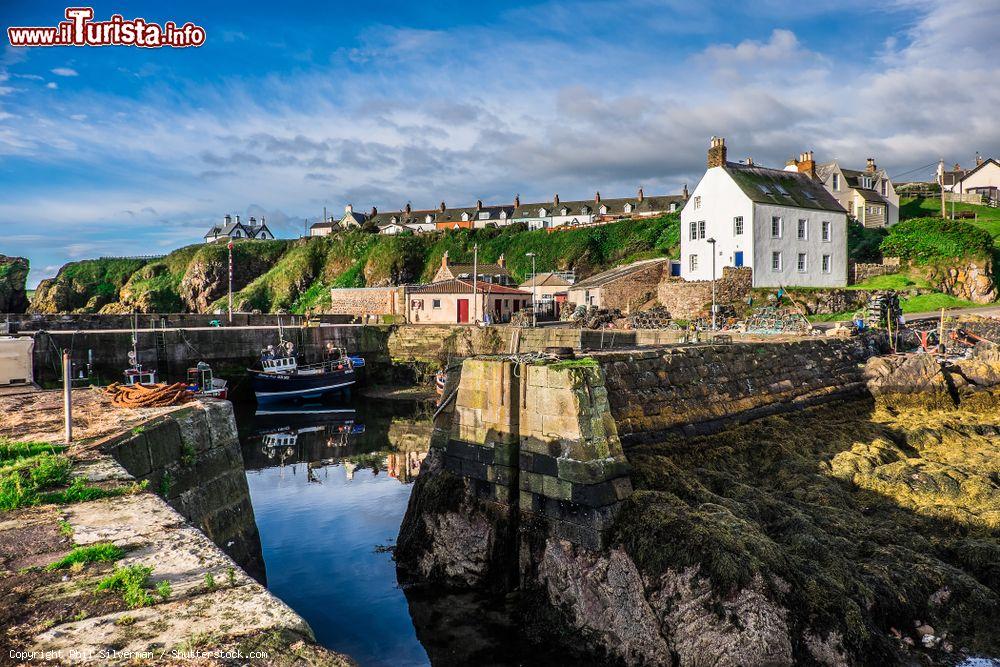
column 64, row 71
column 52, row 85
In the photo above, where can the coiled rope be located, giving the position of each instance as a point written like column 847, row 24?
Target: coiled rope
column 148, row 396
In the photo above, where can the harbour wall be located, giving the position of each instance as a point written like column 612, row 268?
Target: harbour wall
column 391, row 352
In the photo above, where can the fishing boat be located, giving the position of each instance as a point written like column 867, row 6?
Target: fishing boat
column 203, row 383
column 281, row 377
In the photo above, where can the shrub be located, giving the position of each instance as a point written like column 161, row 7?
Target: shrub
column 924, row 240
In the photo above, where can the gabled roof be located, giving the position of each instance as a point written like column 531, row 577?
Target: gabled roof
column 456, row 286
column 965, row 173
column 611, row 275
column 870, row 196
column 615, row 206
column 546, row 280
column 782, row 188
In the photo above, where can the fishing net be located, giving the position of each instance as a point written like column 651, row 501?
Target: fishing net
column 149, row 396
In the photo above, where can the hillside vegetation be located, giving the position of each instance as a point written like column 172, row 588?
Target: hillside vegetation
column 296, row 275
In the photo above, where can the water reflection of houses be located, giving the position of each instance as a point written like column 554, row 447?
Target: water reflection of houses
column 404, row 466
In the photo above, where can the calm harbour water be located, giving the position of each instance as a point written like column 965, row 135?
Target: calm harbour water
column 329, row 492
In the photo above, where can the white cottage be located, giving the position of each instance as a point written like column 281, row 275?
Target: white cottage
column 784, row 225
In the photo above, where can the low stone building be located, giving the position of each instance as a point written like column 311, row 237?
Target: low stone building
column 454, row 302
column 487, row 272
column 687, row 299
column 623, row 287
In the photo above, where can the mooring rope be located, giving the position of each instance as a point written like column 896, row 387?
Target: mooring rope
column 148, row 396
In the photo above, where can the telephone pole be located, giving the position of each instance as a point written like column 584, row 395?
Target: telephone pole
column 230, row 246
column 475, row 280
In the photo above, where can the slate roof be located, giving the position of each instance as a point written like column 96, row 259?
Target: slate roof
column 782, row 188
column 456, row 286
column 615, row 206
column 870, row 196
column 611, row 275
column 962, row 174
column 546, row 280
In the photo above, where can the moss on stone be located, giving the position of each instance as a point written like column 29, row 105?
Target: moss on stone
column 857, row 519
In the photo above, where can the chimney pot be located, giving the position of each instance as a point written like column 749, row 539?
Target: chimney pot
column 979, row 159
column 228, row 218
column 685, row 191
column 555, row 200
column 517, row 200
column 442, row 207
column 479, row 204
column 349, row 208
column 870, row 166
column 409, row 209
column 641, row 195
column 374, row 211
column 717, row 152
column 502, row 262
column 597, row 197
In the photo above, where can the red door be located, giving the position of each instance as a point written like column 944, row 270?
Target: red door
column 463, row 311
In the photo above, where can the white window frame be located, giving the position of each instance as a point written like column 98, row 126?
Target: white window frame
column 693, row 262
column 802, row 262
column 776, row 255
column 628, row 208
column 827, row 231
column 781, row 226
column 701, row 229
column 436, row 304
column 484, row 215
column 885, row 188
column 802, row 229
column 693, row 231
column 827, row 263
column 836, row 182
column 697, row 202
column 738, row 226
column 465, row 217
column 604, row 210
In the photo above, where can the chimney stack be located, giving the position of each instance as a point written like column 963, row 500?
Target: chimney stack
column 979, row 159
column 749, row 160
column 253, row 222
column 409, row 209
column 228, row 218
column 442, row 207
column 444, row 259
column 237, row 219
column 717, row 152
column 806, row 164
column 347, row 209
column 517, row 200
column 502, row 262
column 641, row 195
column 870, row 166
column 684, row 192
column 374, row 212
column 597, row 197
column 958, row 167
column 555, row 200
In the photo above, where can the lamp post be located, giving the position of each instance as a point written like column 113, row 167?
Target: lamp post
column 534, row 290
column 712, row 243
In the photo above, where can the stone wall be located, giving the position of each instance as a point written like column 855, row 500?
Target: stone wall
column 363, row 301
column 688, row 299
column 858, row 272
column 707, row 388
column 95, row 321
column 827, row 301
column 635, row 289
column 192, row 459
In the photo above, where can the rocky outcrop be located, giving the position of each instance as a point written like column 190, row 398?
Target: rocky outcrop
column 207, row 278
column 13, row 274
column 971, row 280
column 927, row 381
column 85, row 286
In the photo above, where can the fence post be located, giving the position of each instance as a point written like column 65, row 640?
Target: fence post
column 68, row 396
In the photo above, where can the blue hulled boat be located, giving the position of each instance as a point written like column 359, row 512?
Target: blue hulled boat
column 283, row 378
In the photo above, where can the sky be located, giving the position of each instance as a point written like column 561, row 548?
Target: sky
column 292, row 106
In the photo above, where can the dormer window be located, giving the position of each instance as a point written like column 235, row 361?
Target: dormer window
column 673, row 207
column 484, row 215
column 885, row 187
column 628, row 208
column 542, row 213
column 836, row 182
column 503, row 215
column 604, row 210
column 394, row 220
column 428, row 219
column 465, row 217
column 565, row 211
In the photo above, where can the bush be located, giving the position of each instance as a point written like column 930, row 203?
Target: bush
column 863, row 243
column 924, row 240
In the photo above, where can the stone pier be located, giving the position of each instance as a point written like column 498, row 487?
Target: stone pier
column 540, row 440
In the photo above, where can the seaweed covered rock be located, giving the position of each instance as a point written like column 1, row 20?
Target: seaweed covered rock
column 923, row 380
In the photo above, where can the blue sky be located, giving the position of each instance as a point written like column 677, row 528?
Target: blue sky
column 290, row 106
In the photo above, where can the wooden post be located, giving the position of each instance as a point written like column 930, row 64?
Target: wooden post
column 68, row 397
column 941, row 346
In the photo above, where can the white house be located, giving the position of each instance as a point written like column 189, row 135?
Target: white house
column 783, row 224
column 983, row 179
column 234, row 229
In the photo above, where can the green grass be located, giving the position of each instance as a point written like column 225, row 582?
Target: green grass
column 133, row 584
column 23, row 480
column 12, row 451
column 94, row 553
column 987, row 218
column 894, row 281
column 930, row 302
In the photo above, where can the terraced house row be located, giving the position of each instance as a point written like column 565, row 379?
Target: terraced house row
column 537, row 215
